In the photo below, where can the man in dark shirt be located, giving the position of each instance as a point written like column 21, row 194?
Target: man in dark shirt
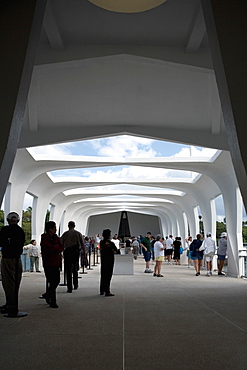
column 12, row 239
column 72, row 240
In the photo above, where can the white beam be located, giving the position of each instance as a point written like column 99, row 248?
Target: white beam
column 52, row 29
column 197, row 33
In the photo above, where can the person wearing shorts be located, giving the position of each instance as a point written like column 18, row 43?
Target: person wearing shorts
column 146, row 247
column 188, row 241
column 196, row 254
column 158, row 255
column 209, row 248
column 222, row 247
column 169, row 249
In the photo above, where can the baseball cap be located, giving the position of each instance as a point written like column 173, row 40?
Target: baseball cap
column 13, row 216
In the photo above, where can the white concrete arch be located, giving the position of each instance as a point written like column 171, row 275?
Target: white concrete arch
column 215, row 175
column 65, row 201
column 48, row 191
column 174, row 213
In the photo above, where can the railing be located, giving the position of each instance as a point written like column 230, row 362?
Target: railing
column 243, row 262
column 25, row 261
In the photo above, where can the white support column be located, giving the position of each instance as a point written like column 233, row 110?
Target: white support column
column 16, row 195
column 195, row 230
column 42, row 206
column 7, row 202
column 233, row 208
column 34, row 218
column 52, row 210
column 183, row 257
column 213, row 217
column 61, row 224
column 213, row 230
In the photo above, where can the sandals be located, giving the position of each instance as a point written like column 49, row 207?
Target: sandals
column 160, row 275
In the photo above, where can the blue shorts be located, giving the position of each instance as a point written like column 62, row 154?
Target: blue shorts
column 147, row 256
column 197, row 256
column 221, row 257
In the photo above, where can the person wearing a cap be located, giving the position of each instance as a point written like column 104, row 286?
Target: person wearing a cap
column 222, row 247
column 209, row 248
column 12, row 239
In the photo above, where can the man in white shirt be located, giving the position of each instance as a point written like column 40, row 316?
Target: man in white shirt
column 33, row 253
column 116, row 241
column 169, row 249
column 209, row 248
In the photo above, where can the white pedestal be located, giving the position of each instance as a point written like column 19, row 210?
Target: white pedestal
column 124, row 265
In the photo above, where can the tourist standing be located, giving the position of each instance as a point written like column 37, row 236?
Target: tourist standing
column 116, row 241
column 12, row 239
column 107, row 251
column 177, row 244
column 51, row 249
column 169, row 249
column 196, row 254
column 158, row 255
column 188, row 241
column 208, row 247
column 146, row 246
column 135, row 245
column 222, row 249
column 72, row 241
column 33, row 253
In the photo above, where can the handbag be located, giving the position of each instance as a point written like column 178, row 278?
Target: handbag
column 181, row 250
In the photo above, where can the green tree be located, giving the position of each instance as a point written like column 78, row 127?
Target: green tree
column 47, row 217
column 1, row 218
column 244, row 232
column 27, row 224
column 220, row 228
column 201, row 226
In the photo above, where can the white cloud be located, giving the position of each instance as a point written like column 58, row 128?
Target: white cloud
column 133, row 172
column 195, row 152
column 124, row 147
column 220, row 218
column 56, row 149
column 28, row 201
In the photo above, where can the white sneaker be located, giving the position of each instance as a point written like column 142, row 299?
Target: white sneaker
column 208, row 273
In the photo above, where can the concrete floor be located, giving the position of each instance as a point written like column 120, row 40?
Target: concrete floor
column 179, row 321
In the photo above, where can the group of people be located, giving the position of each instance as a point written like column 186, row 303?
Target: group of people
column 158, row 249
column 200, row 248
column 197, row 250
column 12, row 238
